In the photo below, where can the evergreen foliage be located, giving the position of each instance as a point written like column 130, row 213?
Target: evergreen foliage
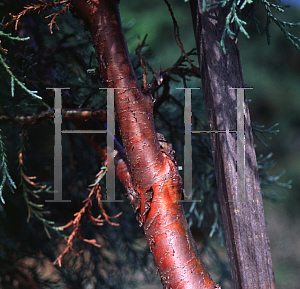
column 242, row 12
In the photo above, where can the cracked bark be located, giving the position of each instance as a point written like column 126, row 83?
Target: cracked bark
column 153, row 182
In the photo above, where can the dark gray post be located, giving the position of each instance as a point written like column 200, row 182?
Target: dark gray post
column 244, row 221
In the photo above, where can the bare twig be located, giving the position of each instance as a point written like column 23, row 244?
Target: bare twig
column 138, row 51
column 49, row 115
column 177, row 37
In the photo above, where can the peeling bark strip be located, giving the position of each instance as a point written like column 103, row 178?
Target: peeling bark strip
column 244, row 221
column 153, row 175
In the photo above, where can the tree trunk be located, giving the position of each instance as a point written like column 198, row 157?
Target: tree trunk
column 243, row 219
column 154, row 183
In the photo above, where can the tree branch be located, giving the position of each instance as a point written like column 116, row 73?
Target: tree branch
column 155, row 178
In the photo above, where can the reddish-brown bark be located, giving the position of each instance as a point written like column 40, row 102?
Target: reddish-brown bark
column 153, row 182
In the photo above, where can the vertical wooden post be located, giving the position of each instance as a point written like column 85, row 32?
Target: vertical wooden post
column 243, row 216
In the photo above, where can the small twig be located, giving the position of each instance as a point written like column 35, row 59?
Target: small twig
column 3, row 50
column 39, row 7
column 177, row 37
column 78, row 113
column 86, row 210
column 56, row 14
column 140, row 54
column 34, row 208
